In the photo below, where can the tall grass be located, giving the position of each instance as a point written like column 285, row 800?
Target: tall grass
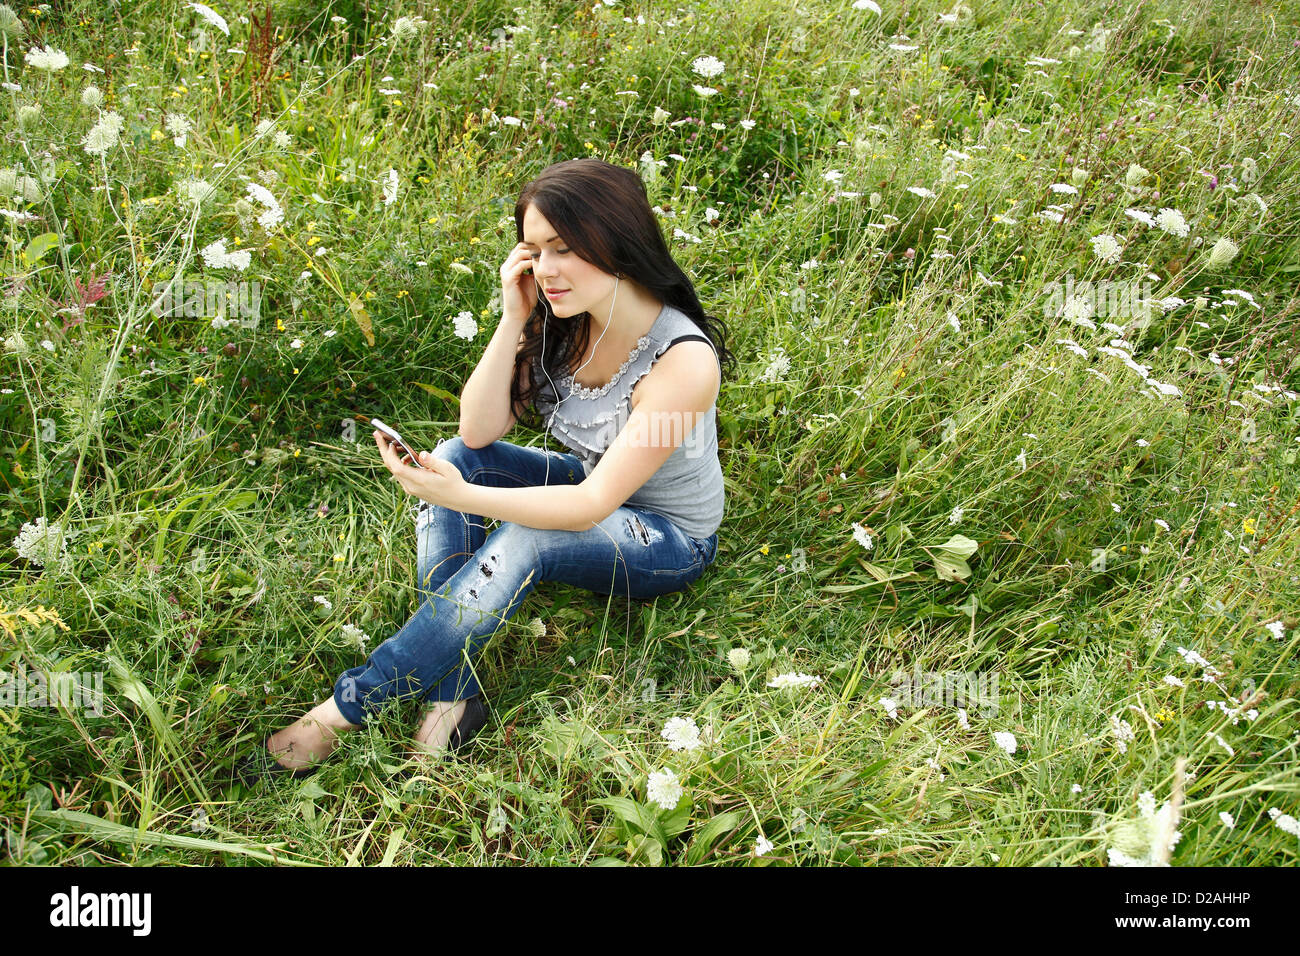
column 214, row 490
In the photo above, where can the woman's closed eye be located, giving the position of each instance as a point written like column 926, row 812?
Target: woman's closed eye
column 538, row 255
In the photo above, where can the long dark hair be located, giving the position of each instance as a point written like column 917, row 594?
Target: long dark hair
column 602, row 213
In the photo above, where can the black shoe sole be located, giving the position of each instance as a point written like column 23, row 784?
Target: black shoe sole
column 260, row 765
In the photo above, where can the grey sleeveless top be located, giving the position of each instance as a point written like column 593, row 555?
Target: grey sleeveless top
column 687, row 489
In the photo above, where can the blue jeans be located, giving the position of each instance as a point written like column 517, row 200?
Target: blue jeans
column 471, row 581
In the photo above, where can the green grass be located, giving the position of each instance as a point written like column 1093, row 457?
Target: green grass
column 192, row 462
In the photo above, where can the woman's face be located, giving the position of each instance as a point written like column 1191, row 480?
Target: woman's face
column 570, row 284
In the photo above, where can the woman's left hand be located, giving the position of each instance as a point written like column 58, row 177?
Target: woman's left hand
column 438, row 482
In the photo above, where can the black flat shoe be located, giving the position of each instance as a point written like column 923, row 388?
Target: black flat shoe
column 467, row 728
column 471, row 722
column 260, row 764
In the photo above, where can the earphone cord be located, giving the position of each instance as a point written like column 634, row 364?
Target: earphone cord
column 554, row 390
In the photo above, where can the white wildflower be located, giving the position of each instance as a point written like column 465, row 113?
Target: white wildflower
column 355, row 637
column 408, row 28
column 778, row 366
column 682, row 734
column 1135, row 175
column 1106, row 247
column 1006, row 740
column 46, row 58
column 762, row 845
column 1221, row 742
column 794, row 680
column 862, row 537
column 867, row 5
column 41, row 543
column 274, row 214
column 955, row 516
column 1136, row 842
column 1242, row 293
column 207, row 13
column 179, row 126
column 662, row 788
column 1123, row 732
column 1078, row 310
column 91, row 97
column 738, row 658
column 194, row 192
column 1063, row 188
column 891, row 707
column 1224, row 251
column 215, row 256
column 1284, row 821
column 705, row 91
column 103, row 136
column 1172, row 222
column 708, row 66
column 465, row 325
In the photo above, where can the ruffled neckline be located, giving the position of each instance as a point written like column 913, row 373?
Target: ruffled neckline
column 575, row 388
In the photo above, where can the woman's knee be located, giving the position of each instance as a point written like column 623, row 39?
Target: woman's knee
column 454, row 449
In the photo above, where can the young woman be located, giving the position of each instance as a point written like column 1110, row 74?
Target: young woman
column 602, row 333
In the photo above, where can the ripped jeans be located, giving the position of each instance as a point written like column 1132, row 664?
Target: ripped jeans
column 471, row 581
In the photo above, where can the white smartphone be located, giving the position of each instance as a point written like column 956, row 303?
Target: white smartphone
column 397, row 440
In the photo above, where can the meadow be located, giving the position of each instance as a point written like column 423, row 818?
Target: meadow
column 1008, row 569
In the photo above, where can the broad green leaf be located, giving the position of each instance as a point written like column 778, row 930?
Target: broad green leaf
column 635, row 815
column 442, row 393
column 709, row 834
column 38, row 247
column 960, row 546
column 358, row 310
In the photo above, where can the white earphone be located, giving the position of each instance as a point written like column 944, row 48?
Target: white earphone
column 555, row 391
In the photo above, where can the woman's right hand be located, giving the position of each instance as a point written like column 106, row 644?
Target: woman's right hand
column 518, row 288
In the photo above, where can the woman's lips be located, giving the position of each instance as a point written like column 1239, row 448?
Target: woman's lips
column 557, row 294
